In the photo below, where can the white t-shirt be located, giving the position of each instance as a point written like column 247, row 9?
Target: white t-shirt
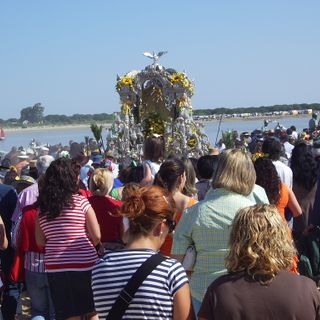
column 154, row 167
column 288, row 147
column 284, row 173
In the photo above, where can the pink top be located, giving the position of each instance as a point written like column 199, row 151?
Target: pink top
column 68, row 247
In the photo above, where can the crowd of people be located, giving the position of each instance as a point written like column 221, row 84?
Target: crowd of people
column 167, row 237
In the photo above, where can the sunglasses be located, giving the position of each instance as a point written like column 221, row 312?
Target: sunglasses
column 171, row 225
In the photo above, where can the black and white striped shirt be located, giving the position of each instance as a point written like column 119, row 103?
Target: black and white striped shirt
column 153, row 299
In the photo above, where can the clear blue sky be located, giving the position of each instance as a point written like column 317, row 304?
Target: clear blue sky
column 66, row 53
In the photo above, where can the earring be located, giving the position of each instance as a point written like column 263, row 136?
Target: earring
column 161, row 232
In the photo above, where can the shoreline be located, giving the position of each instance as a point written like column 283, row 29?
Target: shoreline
column 54, row 127
column 108, row 125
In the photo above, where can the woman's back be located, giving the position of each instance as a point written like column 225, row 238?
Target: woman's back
column 68, row 246
column 236, row 296
column 105, row 209
column 153, row 299
column 207, row 226
column 182, row 202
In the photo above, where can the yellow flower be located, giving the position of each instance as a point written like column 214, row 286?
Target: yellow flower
column 192, row 142
column 180, row 78
column 258, row 155
column 125, row 82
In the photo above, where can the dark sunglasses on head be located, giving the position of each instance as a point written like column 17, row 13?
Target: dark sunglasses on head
column 171, row 225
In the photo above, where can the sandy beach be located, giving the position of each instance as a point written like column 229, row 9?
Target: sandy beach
column 48, row 128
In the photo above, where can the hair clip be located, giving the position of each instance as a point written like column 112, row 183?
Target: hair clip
column 165, row 199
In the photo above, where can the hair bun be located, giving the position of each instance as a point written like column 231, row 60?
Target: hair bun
column 134, row 206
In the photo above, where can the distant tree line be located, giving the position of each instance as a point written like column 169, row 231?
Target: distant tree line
column 33, row 116
column 276, row 107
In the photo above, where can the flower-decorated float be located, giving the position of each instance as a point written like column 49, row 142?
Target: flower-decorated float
column 156, row 101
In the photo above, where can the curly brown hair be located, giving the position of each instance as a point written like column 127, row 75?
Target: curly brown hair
column 60, row 182
column 260, row 243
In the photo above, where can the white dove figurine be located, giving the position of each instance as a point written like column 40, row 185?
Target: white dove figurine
column 154, row 56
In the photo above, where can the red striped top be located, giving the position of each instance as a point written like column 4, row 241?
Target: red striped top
column 68, row 247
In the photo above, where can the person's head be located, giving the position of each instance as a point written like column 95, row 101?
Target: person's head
column 267, row 178
column 304, row 166
column 123, row 174
column 289, row 131
column 75, row 149
column 44, row 151
column 22, row 183
column 207, row 165
column 11, row 176
column 235, row 172
column 43, row 163
column 190, row 185
column 293, row 128
column 128, row 189
column 171, row 175
column 272, row 147
column 135, row 174
column 150, row 211
column 260, row 243
column 153, row 149
column 101, row 182
column 59, row 184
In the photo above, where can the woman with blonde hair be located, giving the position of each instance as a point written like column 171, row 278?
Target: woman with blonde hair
column 259, row 283
column 206, row 224
column 105, row 208
column 163, row 292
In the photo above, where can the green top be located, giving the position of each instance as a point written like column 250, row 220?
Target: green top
column 206, row 225
column 115, row 194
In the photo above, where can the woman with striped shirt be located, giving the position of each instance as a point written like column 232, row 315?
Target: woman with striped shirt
column 164, row 293
column 68, row 229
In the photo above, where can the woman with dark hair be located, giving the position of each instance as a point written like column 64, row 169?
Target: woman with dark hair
column 258, row 284
column 153, row 152
column 172, row 177
column 164, row 293
column 274, row 149
column 68, row 229
column 305, row 175
column 134, row 173
column 278, row 193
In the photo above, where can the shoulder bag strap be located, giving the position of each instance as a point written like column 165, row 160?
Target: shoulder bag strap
column 126, row 295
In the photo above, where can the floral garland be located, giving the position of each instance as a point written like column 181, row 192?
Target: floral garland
column 153, row 125
column 258, row 155
column 126, row 108
column 125, row 81
column 181, row 79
